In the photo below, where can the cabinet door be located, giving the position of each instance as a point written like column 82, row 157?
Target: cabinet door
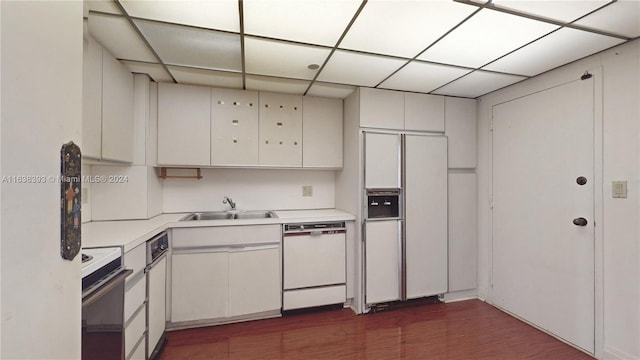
column 184, row 125
column 234, row 127
column 254, row 280
column 117, row 110
column 280, row 130
column 381, row 108
column 423, row 112
column 462, row 231
column 199, row 286
column 426, row 215
column 461, row 125
column 322, row 132
column 382, row 160
column 382, row 261
column 92, row 99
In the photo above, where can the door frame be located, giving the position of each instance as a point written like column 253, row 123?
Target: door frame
column 597, row 73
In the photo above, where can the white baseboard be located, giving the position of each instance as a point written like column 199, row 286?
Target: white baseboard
column 460, row 295
column 609, row 353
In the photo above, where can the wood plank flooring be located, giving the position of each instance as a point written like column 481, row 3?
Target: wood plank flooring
column 462, row 330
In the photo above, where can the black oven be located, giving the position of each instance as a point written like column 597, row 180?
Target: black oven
column 103, row 280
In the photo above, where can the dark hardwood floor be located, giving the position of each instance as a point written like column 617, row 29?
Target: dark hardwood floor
column 462, row 330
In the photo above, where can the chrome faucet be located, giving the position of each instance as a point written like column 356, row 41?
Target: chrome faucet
column 227, row 200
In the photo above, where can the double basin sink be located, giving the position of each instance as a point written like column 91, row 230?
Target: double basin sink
column 229, row 215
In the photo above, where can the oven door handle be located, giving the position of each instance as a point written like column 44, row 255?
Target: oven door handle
column 105, row 288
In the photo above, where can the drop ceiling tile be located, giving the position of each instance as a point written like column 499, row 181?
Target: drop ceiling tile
column 346, row 67
column 105, row 6
column 118, row 36
column 403, row 28
column 486, row 36
column 423, row 77
column 559, row 48
column 621, row 17
column 478, row 83
column 194, row 47
column 312, row 22
column 282, row 59
column 564, row 11
column 155, row 71
column 185, row 75
column 286, row 86
column 330, row 90
column 218, row 14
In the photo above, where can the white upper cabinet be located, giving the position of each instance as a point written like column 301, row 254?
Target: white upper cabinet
column 383, row 109
column 322, row 132
column 280, row 130
column 184, row 125
column 234, row 127
column 92, row 99
column 423, row 112
column 117, row 110
column 107, row 124
column 460, row 124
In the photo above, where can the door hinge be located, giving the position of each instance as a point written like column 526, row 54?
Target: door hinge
column 491, row 203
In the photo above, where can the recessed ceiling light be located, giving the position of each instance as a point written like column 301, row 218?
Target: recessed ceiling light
column 313, row 66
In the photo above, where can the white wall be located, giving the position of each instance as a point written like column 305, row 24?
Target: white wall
column 41, row 110
column 619, row 265
column 250, row 189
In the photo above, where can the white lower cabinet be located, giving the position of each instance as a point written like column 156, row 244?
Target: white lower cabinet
column 135, row 315
column 222, row 273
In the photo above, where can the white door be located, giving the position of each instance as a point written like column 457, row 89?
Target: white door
column 426, row 215
column 543, row 263
column 382, row 261
column 382, row 161
column 157, row 284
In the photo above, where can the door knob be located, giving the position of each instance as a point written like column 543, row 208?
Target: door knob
column 580, row 221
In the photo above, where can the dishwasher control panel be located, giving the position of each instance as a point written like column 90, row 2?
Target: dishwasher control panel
column 325, row 227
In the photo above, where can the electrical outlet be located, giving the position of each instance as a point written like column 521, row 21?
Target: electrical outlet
column 307, row 190
column 619, row 189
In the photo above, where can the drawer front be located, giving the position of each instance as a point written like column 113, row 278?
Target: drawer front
column 136, row 260
column 225, row 235
column 297, row 299
column 139, row 352
column 134, row 297
column 134, row 331
column 314, row 260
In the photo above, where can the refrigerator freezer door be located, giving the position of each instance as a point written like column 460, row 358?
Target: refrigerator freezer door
column 382, row 247
column 425, row 167
column 382, row 161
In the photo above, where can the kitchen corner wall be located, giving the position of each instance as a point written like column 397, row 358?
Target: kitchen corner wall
column 250, row 189
column 617, row 285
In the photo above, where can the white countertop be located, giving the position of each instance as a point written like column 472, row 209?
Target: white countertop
column 131, row 233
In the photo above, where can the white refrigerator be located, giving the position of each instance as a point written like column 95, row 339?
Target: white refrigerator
column 405, row 257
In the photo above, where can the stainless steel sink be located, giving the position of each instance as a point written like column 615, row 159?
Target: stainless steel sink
column 225, row 215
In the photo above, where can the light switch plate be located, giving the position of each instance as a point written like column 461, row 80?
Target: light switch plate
column 619, row 189
column 307, row 190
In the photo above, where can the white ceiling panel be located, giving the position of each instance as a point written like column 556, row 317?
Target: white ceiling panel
column 485, row 37
column 561, row 47
column 279, row 58
column 478, row 83
column 265, row 83
column 105, row 6
column 403, row 28
column 621, row 17
column 423, row 77
column 218, row 14
column 205, row 77
column 155, row 71
column 118, row 36
column 320, row 22
column 564, row 11
column 188, row 46
column 346, row 67
column 330, row 90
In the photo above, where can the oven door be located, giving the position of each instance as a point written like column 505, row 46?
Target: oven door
column 103, row 319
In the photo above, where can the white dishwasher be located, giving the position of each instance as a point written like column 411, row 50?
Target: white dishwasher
column 314, row 265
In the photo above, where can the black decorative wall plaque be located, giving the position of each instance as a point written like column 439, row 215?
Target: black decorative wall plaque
column 70, row 201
